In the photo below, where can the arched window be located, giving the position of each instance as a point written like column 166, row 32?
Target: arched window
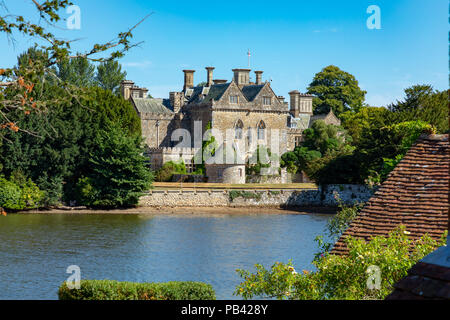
column 261, row 130
column 238, row 129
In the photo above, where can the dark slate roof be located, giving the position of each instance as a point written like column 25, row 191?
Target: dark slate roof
column 251, row 91
column 216, row 91
column 416, row 195
column 424, row 281
column 150, row 105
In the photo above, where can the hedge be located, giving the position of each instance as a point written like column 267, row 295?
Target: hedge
column 115, row 290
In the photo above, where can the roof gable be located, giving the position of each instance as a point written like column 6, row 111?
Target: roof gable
column 416, row 194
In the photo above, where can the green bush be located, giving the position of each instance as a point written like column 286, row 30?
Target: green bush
column 170, row 168
column 10, row 195
column 114, row 290
column 343, row 277
column 19, row 193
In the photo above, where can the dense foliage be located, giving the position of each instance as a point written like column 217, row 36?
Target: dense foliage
column 336, row 90
column 114, row 290
column 369, row 271
column 19, row 193
column 55, row 149
column 117, row 174
column 322, row 144
column 166, row 172
column 376, row 139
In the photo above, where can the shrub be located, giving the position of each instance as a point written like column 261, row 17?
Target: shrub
column 19, row 193
column 10, row 195
column 114, row 290
column 170, row 168
column 343, row 277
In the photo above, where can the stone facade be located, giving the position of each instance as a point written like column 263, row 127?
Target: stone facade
column 241, row 113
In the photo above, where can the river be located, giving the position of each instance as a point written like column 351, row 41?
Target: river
column 35, row 250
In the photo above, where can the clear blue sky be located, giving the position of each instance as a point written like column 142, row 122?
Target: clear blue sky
column 289, row 40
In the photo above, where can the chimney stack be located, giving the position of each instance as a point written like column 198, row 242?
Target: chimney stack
column 259, row 77
column 125, row 89
column 220, row 81
column 188, row 79
column 295, row 103
column 209, row 80
column 241, row 76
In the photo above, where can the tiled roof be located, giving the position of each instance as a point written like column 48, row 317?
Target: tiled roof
column 147, row 105
column 416, row 195
column 424, row 281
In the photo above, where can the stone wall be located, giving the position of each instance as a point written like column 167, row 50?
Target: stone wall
column 323, row 196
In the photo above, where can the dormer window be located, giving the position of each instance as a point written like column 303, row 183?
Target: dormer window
column 267, row 101
column 234, row 99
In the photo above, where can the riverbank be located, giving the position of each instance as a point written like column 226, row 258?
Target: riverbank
column 191, row 211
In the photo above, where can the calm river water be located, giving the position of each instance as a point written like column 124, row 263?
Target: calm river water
column 35, row 250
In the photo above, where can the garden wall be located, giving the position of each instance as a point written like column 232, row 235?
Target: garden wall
column 323, row 196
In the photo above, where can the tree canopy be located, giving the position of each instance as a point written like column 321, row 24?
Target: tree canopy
column 336, row 90
column 109, row 75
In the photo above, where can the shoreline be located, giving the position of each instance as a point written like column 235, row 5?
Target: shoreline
column 188, row 211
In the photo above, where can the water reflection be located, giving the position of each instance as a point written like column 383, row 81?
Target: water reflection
column 35, row 250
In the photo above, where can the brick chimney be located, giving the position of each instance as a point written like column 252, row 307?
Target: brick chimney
column 188, row 79
column 241, row 76
column 209, row 79
column 259, row 77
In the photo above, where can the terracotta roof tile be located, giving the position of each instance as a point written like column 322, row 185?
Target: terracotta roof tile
column 416, row 194
column 424, row 281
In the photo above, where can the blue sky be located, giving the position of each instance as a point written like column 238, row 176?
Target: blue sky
column 289, row 40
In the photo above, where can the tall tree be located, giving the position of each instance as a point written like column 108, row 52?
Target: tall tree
column 415, row 97
column 423, row 103
column 336, row 90
column 109, row 75
column 78, row 72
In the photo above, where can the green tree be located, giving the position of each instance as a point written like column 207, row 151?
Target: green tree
column 415, row 97
column 322, row 144
column 423, row 103
column 19, row 85
column 336, row 90
column 78, row 72
column 56, row 154
column 118, row 174
column 367, row 118
column 109, row 75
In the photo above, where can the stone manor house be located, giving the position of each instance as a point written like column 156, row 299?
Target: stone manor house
column 252, row 110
